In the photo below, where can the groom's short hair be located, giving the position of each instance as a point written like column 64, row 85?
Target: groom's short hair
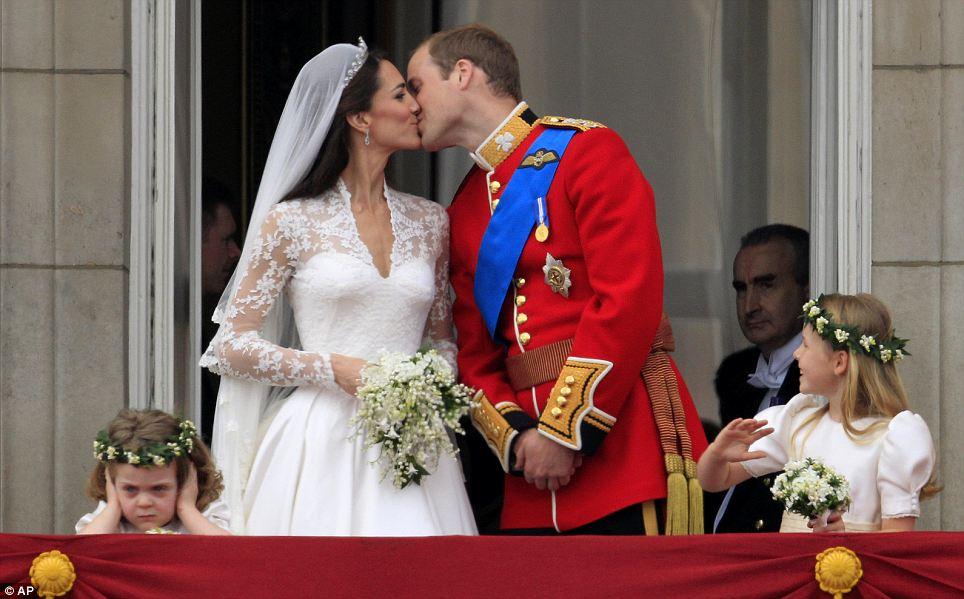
column 485, row 48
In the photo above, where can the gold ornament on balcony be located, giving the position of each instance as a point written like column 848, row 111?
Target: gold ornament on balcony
column 52, row 574
column 838, row 571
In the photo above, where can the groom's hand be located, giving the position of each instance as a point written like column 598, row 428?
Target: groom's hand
column 545, row 463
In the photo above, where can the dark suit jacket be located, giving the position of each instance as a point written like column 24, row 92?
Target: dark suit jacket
column 752, row 507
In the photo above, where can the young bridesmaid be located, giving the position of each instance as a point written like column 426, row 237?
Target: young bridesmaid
column 154, row 475
column 851, row 414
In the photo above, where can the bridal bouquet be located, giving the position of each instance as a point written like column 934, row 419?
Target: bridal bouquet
column 811, row 488
column 408, row 403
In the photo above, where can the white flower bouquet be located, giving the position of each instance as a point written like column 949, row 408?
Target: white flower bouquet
column 408, row 405
column 811, row 488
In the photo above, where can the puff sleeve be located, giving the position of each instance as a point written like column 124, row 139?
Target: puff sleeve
column 906, row 463
column 217, row 513
column 89, row 517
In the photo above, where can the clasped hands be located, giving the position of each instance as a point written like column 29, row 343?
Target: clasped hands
column 544, row 463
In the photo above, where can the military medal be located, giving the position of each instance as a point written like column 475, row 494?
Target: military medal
column 542, row 231
column 557, row 275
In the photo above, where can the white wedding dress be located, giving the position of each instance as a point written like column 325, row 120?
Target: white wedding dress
column 308, row 477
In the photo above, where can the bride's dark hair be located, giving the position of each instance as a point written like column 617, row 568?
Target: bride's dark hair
column 333, row 156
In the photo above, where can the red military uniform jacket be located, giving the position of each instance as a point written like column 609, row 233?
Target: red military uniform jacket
column 603, row 229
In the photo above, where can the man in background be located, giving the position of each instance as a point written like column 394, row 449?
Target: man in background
column 219, row 256
column 771, row 280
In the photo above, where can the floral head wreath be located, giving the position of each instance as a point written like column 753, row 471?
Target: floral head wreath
column 360, row 59
column 843, row 336
column 156, row 454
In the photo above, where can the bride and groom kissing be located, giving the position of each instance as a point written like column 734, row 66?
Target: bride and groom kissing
column 551, row 248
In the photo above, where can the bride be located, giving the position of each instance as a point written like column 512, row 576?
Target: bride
column 340, row 265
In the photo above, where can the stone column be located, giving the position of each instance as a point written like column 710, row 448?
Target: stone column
column 918, row 217
column 64, row 148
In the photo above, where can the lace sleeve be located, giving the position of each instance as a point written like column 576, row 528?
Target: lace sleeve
column 239, row 349
column 438, row 329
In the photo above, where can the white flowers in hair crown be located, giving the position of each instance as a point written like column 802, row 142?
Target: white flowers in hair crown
column 408, row 405
column 843, row 336
column 156, row 454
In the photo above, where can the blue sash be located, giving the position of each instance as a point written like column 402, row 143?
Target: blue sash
column 517, row 213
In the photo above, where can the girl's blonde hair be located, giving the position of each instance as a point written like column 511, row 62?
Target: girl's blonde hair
column 135, row 429
column 871, row 387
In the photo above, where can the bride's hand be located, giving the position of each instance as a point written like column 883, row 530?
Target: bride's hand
column 347, row 371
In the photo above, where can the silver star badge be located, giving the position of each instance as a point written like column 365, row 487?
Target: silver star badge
column 557, row 276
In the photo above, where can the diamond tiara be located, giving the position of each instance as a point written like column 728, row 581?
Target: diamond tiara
column 360, row 59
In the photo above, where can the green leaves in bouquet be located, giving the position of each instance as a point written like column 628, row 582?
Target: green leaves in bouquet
column 809, row 487
column 408, row 403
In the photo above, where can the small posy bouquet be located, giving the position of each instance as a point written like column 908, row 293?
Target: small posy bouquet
column 811, row 488
column 408, row 405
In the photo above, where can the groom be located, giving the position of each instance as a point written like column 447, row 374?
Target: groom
column 556, row 266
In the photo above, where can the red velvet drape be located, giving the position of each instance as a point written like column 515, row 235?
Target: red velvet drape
column 895, row 565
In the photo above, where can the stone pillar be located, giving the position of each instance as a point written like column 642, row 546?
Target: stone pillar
column 64, row 151
column 918, row 217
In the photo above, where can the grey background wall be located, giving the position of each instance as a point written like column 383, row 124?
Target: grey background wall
column 918, row 216
column 64, row 197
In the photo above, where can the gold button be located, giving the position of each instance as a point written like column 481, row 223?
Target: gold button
column 570, row 380
column 521, row 318
column 561, row 401
column 556, row 412
column 494, row 186
column 520, row 299
column 565, row 391
column 768, row 481
column 520, row 282
column 758, row 524
column 524, row 338
column 495, row 204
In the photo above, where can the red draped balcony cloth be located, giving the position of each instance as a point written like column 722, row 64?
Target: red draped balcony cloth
column 918, row 564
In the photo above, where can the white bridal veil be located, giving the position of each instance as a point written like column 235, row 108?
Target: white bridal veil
column 302, row 129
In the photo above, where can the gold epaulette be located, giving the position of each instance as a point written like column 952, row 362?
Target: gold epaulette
column 569, row 122
column 570, row 414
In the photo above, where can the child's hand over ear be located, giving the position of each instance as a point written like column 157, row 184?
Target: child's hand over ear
column 112, row 501
column 187, row 512
column 108, row 520
column 187, row 494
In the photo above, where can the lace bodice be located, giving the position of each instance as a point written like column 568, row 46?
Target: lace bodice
column 310, row 250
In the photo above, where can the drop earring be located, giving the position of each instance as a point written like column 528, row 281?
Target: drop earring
column 368, row 139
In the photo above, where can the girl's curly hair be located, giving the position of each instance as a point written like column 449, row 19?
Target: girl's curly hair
column 134, row 429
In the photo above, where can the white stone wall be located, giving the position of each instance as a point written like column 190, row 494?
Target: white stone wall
column 918, row 217
column 64, row 139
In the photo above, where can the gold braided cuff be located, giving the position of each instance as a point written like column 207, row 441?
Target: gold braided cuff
column 499, row 424
column 570, row 418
